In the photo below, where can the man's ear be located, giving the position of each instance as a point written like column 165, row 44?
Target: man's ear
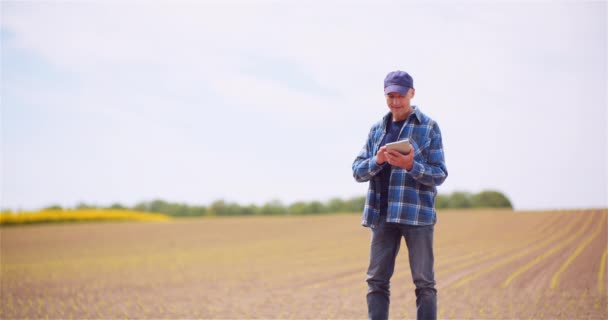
column 412, row 92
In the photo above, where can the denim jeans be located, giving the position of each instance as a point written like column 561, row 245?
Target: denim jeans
column 385, row 242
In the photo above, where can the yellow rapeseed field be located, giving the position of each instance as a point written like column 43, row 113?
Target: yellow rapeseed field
column 9, row 218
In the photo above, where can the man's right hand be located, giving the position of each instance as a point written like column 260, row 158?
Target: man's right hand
column 381, row 155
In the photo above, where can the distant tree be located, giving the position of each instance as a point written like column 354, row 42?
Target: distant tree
column 337, row 205
column 158, row 205
column 316, row 207
column 197, row 211
column 117, row 206
column 460, row 199
column 356, row 204
column 490, row 199
column 296, row 208
column 54, row 207
column 142, row 206
column 223, row 208
column 249, row 210
column 217, row 207
column 234, row 209
column 274, row 207
column 84, row 206
column 178, row 209
column 442, row 201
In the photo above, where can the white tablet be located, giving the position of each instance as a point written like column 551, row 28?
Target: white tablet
column 402, row 146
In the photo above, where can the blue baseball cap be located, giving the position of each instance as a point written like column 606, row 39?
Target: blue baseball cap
column 398, row 81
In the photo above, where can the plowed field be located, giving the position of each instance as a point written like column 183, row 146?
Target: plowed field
column 489, row 264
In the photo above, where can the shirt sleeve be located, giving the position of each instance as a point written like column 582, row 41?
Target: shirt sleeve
column 433, row 171
column 365, row 166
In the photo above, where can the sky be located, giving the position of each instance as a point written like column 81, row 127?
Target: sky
column 254, row 101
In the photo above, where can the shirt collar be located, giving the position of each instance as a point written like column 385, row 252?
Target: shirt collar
column 416, row 113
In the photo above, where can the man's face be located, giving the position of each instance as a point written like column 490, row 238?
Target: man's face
column 400, row 104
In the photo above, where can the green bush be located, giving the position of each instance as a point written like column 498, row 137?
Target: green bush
column 458, row 199
column 491, row 199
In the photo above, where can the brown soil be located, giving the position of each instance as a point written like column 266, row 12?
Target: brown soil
column 294, row 267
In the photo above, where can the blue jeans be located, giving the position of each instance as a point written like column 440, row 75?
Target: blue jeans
column 385, row 242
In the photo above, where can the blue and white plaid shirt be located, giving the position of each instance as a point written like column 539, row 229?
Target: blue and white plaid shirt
column 411, row 194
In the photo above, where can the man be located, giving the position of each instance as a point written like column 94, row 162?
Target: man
column 401, row 195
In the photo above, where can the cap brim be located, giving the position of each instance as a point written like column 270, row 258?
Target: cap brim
column 396, row 88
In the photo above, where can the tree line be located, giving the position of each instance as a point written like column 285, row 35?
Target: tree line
column 458, row 199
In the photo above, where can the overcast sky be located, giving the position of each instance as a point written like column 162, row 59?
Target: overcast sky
column 251, row 101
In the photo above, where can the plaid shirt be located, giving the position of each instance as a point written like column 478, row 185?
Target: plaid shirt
column 411, row 194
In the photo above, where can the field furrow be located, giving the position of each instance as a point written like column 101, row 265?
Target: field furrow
column 489, row 264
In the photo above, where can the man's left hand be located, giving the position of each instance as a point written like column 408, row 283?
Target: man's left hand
column 396, row 158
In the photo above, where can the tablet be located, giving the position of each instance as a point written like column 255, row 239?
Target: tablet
column 402, row 146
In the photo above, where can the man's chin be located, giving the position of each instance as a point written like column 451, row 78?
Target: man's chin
column 398, row 111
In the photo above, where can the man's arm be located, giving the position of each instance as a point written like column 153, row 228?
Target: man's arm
column 434, row 171
column 431, row 172
column 366, row 164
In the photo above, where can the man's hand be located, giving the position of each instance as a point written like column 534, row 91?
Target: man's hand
column 396, row 158
column 381, row 155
